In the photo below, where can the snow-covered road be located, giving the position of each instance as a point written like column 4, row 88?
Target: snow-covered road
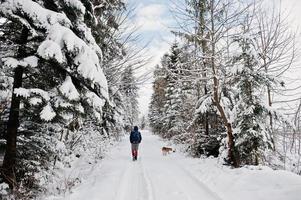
column 152, row 177
column 171, row 177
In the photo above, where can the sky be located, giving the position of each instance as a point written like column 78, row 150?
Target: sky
column 156, row 21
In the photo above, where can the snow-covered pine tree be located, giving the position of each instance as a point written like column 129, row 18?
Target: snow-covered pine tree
column 251, row 130
column 129, row 89
column 143, row 122
column 168, row 111
column 156, row 108
column 58, row 73
column 173, row 102
column 108, row 34
column 5, row 81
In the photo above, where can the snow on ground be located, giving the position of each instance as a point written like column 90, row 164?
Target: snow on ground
column 176, row 177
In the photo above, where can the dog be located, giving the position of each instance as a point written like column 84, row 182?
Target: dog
column 167, row 150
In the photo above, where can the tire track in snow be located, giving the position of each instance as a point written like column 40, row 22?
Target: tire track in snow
column 171, row 181
column 197, row 181
column 179, row 188
column 186, row 185
column 149, row 186
column 134, row 184
column 122, row 185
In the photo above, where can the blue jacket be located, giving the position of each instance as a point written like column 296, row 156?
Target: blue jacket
column 135, row 137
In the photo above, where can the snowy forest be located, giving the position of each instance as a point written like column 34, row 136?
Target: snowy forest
column 215, row 90
column 70, row 79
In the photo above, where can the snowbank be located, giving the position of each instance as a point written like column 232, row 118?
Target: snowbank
column 248, row 183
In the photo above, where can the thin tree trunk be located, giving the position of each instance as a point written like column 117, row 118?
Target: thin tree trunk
column 216, row 99
column 296, row 123
column 206, row 117
column 9, row 162
column 271, row 118
column 202, row 10
column 231, row 151
column 61, row 138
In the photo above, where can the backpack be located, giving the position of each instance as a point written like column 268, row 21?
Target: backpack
column 135, row 137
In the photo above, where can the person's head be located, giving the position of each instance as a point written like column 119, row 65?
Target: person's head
column 135, row 128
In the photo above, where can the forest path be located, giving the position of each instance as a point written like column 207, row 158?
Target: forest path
column 151, row 177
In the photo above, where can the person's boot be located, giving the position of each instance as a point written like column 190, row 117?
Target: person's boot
column 133, row 154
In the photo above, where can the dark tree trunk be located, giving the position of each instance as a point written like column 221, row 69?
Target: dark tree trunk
column 8, row 168
column 206, row 117
column 9, row 162
column 203, row 43
column 232, row 158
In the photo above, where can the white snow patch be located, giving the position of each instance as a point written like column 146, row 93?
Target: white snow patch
column 35, row 101
column 51, row 50
column 60, row 146
column 42, row 93
column 22, row 92
column 204, row 104
column 43, row 18
column 69, row 90
column 76, row 4
column 31, row 61
column 11, row 62
column 95, row 100
column 47, row 113
column 4, row 189
column 80, row 108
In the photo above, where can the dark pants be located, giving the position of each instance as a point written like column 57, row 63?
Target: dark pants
column 135, row 150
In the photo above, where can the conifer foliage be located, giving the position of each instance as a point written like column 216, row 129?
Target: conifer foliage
column 129, row 89
column 56, row 58
column 252, row 135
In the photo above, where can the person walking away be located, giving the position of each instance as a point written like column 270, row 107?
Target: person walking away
column 135, row 139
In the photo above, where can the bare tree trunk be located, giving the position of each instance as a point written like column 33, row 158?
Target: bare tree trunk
column 270, row 104
column 231, row 151
column 216, row 98
column 270, row 114
column 296, row 123
column 201, row 33
column 61, row 138
column 206, row 117
column 9, row 162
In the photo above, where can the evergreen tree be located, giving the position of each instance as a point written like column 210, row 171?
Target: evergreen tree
column 173, row 102
column 143, row 122
column 156, row 108
column 251, row 128
column 58, row 78
column 129, row 90
column 107, row 19
column 168, row 108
